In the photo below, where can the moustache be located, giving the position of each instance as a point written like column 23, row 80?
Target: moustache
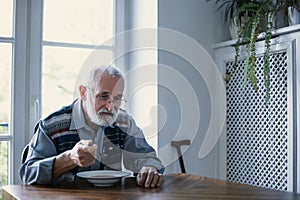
column 105, row 111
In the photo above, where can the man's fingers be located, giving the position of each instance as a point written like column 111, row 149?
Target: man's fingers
column 85, row 158
column 155, row 179
column 149, row 179
column 86, row 142
column 88, row 146
column 160, row 180
column 84, row 153
column 141, row 178
column 92, row 150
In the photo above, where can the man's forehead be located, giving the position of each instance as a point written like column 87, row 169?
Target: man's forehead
column 109, row 84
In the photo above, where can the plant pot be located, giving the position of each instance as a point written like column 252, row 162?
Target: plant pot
column 294, row 16
column 271, row 23
column 233, row 29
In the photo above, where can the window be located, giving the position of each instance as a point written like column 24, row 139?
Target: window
column 71, row 32
column 6, row 45
column 43, row 45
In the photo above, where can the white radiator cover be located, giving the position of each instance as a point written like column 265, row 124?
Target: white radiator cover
column 257, row 132
column 260, row 143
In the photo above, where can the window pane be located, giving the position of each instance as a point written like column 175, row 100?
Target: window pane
column 3, row 164
column 60, row 68
column 6, row 18
column 5, row 85
column 77, row 21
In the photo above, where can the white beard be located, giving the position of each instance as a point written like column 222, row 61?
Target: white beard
column 99, row 118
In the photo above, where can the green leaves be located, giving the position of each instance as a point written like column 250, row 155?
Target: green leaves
column 268, row 38
column 252, row 18
column 249, row 69
column 259, row 18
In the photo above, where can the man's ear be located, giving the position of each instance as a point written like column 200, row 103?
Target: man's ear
column 82, row 91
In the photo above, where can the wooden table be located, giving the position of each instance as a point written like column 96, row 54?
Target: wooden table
column 175, row 186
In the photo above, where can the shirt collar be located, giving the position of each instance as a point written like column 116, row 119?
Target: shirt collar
column 77, row 120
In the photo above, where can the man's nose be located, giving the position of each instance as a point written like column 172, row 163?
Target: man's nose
column 109, row 105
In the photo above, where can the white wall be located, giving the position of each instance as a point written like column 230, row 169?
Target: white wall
column 141, row 69
column 199, row 21
column 181, row 100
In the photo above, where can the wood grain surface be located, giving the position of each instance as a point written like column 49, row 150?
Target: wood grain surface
column 175, row 186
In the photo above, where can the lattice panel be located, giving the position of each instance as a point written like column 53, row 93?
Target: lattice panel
column 257, row 152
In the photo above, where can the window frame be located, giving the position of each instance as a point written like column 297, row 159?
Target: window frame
column 19, row 117
column 26, row 74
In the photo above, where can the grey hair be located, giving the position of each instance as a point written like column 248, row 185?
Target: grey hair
column 109, row 70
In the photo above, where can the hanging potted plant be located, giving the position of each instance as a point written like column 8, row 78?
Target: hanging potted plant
column 253, row 17
column 262, row 17
column 231, row 15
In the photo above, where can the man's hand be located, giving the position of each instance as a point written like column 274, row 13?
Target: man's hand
column 83, row 153
column 149, row 177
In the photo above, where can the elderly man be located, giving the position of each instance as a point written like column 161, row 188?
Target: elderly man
column 93, row 133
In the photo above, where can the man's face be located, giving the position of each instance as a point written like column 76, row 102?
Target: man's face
column 102, row 102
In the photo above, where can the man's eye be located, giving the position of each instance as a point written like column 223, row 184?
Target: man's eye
column 102, row 97
column 117, row 98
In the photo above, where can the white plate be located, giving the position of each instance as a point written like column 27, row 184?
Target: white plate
column 103, row 177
